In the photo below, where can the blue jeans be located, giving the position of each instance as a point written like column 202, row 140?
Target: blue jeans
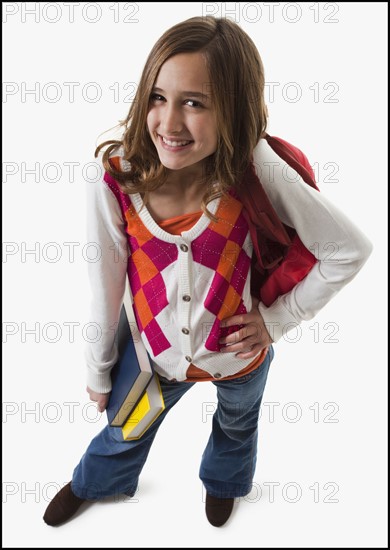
column 111, row 466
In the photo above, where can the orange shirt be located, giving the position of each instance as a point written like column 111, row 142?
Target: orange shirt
column 175, row 226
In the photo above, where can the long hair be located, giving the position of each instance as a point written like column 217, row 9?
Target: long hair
column 237, row 88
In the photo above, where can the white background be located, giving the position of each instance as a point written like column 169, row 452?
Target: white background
column 325, row 447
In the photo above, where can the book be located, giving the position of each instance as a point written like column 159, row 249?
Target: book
column 145, row 413
column 133, row 370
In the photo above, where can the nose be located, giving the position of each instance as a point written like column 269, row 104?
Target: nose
column 171, row 120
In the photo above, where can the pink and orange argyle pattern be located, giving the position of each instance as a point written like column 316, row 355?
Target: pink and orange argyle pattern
column 218, row 247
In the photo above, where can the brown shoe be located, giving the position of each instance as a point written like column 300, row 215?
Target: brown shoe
column 218, row 510
column 63, row 506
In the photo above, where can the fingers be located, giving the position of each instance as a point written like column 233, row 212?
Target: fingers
column 245, row 346
column 244, row 318
column 244, row 338
column 250, row 334
column 101, row 404
column 100, row 399
column 101, row 407
column 248, row 331
column 252, row 353
column 246, row 342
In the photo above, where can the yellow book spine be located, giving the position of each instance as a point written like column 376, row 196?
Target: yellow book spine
column 147, row 427
column 139, row 412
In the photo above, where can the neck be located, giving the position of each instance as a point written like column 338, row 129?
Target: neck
column 186, row 182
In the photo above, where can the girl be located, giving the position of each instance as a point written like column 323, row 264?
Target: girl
column 169, row 216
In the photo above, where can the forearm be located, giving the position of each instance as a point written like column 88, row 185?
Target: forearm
column 337, row 243
column 107, row 282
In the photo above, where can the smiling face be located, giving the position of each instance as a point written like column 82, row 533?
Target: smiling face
column 181, row 119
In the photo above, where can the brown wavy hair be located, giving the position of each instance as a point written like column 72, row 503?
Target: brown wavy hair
column 237, row 89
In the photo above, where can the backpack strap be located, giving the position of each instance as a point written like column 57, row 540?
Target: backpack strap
column 294, row 158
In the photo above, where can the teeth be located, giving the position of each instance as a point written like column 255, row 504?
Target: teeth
column 175, row 143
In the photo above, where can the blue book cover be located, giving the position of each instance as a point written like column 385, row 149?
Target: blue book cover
column 131, row 375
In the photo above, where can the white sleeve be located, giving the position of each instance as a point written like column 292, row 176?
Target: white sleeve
column 338, row 244
column 107, row 276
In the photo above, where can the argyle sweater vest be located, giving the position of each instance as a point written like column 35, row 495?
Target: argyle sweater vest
column 184, row 286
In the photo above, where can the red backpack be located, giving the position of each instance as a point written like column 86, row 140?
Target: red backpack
column 280, row 259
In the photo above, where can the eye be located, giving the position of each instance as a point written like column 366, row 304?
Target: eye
column 156, row 97
column 195, row 104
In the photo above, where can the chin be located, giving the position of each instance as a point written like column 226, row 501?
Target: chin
column 173, row 164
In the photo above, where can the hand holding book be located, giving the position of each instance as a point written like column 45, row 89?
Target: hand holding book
column 100, row 398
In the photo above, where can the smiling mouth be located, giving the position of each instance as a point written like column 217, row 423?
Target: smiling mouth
column 170, row 143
